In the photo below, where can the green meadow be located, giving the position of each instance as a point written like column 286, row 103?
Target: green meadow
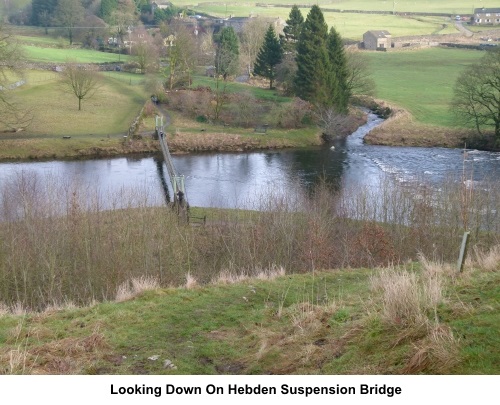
column 421, row 81
column 441, row 6
column 110, row 111
column 56, row 55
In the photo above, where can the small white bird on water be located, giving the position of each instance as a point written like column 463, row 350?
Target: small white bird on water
column 332, row 147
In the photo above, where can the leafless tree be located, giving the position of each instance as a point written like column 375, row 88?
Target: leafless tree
column 13, row 116
column 206, row 47
column 331, row 122
column 181, row 54
column 252, row 37
column 120, row 21
column 81, row 81
column 359, row 80
column 476, row 99
column 145, row 50
column 68, row 14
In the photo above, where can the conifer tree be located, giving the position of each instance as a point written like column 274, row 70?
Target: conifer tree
column 338, row 63
column 321, row 64
column 291, row 32
column 314, row 78
column 40, row 8
column 227, row 54
column 269, row 56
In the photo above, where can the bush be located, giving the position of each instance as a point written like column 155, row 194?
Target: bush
column 297, row 114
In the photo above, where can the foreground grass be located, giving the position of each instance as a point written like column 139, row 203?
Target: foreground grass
column 329, row 322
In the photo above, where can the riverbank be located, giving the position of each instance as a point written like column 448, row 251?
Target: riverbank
column 401, row 129
column 187, row 136
column 180, row 141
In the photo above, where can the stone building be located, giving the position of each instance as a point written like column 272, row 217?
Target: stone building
column 486, row 16
column 377, row 40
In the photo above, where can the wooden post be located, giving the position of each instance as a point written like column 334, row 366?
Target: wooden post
column 463, row 251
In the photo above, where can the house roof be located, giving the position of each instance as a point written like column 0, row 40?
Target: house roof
column 379, row 34
column 486, row 10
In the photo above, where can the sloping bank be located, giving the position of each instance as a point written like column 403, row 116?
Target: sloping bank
column 400, row 129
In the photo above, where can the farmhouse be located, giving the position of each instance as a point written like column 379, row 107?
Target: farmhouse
column 486, row 16
column 377, row 40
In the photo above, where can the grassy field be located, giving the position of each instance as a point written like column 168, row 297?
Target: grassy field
column 110, row 111
column 443, row 6
column 55, row 55
column 300, row 324
column 349, row 25
column 425, row 91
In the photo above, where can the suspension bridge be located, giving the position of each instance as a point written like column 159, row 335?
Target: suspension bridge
column 180, row 202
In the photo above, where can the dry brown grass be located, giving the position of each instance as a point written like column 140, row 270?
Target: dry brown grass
column 406, row 298
column 488, row 260
column 400, row 129
column 227, row 276
column 191, row 282
column 136, row 286
column 437, row 353
column 69, row 355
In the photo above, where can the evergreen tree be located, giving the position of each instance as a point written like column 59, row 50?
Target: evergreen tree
column 227, row 54
column 291, row 32
column 314, row 78
column 42, row 8
column 338, row 63
column 322, row 71
column 269, row 56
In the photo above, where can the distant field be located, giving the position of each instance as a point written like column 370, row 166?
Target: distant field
column 56, row 55
column 426, row 92
column 349, row 25
column 441, row 6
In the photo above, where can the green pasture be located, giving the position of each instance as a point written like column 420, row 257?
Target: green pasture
column 349, row 25
column 353, row 25
column 110, row 111
column 56, row 55
column 422, row 80
column 430, row 6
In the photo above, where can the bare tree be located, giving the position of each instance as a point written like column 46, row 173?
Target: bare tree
column 12, row 115
column 120, row 21
column 252, row 37
column 359, row 80
column 81, row 81
column 145, row 50
column 68, row 14
column 476, row 99
column 206, row 47
column 331, row 122
column 181, row 54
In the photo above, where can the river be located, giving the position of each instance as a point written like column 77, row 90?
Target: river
column 242, row 179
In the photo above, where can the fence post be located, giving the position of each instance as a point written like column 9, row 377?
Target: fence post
column 463, row 251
